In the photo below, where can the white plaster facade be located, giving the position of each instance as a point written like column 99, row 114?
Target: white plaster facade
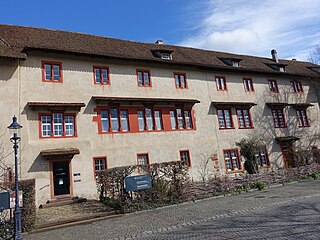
column 21, row 82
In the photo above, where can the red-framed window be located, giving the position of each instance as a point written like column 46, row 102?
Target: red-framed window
column 232, row 159
column 180, row 80
column 100, row 166
column 181, row 119
column 51, row 71
column 135, row 119
column 248, row 85
column 114, row 119
column 150, row 120
column 261, row 157
column 296, row 86
column 185, row 157
column 57, row 124
column 144, row 78
column 278, row 118
column 143, row 162
column 273, row 85
column 225, row 119
column 221, row 83
column 101, row 75
column 302, row 118
column 244, row 118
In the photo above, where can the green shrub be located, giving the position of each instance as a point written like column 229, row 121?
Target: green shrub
column 259, row 185
column 315, row 175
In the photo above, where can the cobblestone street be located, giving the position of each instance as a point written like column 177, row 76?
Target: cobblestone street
column 285, row 212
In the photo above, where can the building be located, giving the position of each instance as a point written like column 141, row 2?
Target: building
column 88, row 103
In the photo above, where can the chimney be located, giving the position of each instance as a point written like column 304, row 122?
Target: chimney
column 159, row 42
column 274, row 55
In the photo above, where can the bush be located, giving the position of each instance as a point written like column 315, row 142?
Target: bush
column 259, row 185
column 315, row 175
column 28, row 211
column 169, row 181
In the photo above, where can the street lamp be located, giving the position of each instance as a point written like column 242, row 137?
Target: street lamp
column 14, row 128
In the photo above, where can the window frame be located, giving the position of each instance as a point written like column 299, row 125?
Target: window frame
column 94, row 165
column 144, row 82
column 258, row 152
column 179, row 74
column 275, row 88
column 300, row 118
column 110, row 130
column 232, row 170
column 51, row 63
column 224, row 118
column 249, row 115
column 40, row 115
column 176, row 119
column 218, row 86
column 296, row 86
column 277, row 120
column 188, row 154
column 248, row 87
column 139, row 166
column 153, row 118
column 101, row 81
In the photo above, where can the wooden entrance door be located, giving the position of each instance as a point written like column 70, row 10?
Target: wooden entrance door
column 288, row 155
column 61, row 177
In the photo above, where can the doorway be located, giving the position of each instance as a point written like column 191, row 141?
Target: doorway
column 288, row 155
column 61, row 178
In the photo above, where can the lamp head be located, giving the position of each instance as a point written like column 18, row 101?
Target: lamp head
column 14, row 126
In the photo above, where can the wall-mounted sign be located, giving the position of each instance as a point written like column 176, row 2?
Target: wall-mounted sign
column 76, row 174
column 13, row 199
column 138, row 182
column 5, row 200
column 77, row 180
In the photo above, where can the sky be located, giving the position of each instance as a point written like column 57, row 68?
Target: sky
column 251, row 27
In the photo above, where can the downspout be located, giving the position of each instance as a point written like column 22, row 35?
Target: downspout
column 19, row 114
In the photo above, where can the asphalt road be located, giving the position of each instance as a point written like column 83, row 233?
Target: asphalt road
column 284, row 212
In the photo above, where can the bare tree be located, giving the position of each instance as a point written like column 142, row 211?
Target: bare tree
column 205, row 171
column 314, row 56
column 6, row 166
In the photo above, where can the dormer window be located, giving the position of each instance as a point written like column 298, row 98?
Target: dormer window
column 277, row 67
column 315, row 69
column 233, row 62
column 166, row 56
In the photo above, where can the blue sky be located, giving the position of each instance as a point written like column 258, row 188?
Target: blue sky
column 240, row 26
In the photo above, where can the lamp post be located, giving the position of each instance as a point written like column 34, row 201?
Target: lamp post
column 15, row 139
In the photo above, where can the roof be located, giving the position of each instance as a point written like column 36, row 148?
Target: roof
column 10, row 52
column 23, row 38
column 233, row 104
column 58, row 152
column 136, row 100
column 55, row 105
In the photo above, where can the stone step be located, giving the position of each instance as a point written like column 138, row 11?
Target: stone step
column 62, row 201
column 77, row 219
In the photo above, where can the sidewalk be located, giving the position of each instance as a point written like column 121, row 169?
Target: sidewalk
column 188, row 214
column 54, row 217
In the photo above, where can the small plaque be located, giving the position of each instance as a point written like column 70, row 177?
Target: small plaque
column 76, row 174
column 77, row 180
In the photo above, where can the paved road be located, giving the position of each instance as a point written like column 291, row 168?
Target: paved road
column 286, row 212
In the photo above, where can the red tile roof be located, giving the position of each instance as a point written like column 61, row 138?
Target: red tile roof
column 144, row 100
column 24, row 38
